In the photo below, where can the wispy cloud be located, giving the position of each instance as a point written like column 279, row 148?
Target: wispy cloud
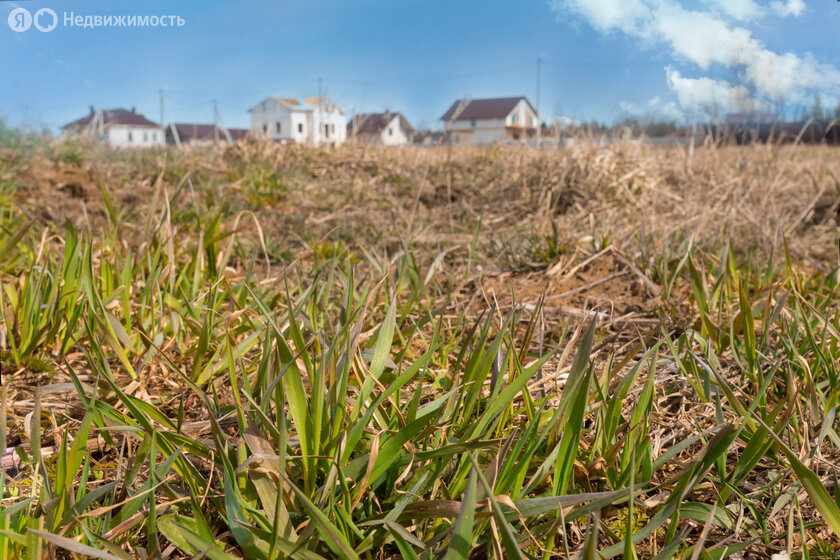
column 789, row 8
column 715, row 96
column 742, row 10
column 707, row 38
column 655, row 109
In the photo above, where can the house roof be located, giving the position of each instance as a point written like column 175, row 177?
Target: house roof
column 308, row 104
column 190, row 131
column 325, row 100
column 114, row 117
column 372, row 123
column 492, row 108
column 288, row 102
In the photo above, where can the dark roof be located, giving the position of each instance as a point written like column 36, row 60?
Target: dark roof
column 371, row 123
column 494, row 108
column 114, row 116
column 187, row 131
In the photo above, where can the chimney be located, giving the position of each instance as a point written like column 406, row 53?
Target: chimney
column 133, row 110
column 91, row 110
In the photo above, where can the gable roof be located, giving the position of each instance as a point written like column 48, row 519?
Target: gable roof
column 372, row 123
column 114, row 117
column 309, row 103
column 491, row 108
column 188, row 131
column 288, row 102
column 328, row 103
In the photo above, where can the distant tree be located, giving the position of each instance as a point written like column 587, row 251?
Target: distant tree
column 818, row 112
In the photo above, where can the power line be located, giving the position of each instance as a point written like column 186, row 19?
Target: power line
column 241, row 94
column 433, row 79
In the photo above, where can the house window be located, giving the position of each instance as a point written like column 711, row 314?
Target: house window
column 513, row 119
column 332, row 128
column 265, row 128
column 390, row 132
column 300, row 127
column 130, row 139
column 326, row 131
column 278, row 127
column 472, row 123
column 145, row 137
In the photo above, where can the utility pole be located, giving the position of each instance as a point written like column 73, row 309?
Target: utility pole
column 161, row 106
column 220, row 124
column 215, row 122
column 320, row 112
column 165, row 111
column 539, row 120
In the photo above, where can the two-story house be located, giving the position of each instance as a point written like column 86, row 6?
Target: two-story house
column 487, row 121
column 313, row 121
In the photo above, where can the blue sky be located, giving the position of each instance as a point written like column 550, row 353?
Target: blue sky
column 603, row 59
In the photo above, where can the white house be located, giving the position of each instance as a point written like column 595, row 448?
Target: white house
column 118, row 128
column 386, row 129
column 487, row 121
column 313, row 121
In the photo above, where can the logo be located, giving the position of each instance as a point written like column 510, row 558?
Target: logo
column 45, row 20
column 20, row 20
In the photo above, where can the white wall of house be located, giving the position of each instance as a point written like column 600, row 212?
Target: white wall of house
column 461, row 137
column 121, row 136
column 304, row 124
column 272, row 120
column 394, row 134
column 522, row 115
column 328, row 125
column 300, row 126
column 483, row 131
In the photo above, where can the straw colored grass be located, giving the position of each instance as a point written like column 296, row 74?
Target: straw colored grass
column 282, row 352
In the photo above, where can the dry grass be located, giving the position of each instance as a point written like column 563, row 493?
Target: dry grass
column 482, row 261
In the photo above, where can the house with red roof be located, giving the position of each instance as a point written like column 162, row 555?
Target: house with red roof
column 118, row 128
column 470, row 122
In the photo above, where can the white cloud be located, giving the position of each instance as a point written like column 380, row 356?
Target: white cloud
column 706, row 94
column 705, row 38
column 565, row 122
column 655, row 109
column 789, row 8
column 742, row 10
column 606, row 15
column 630, row 108
column 701, row 37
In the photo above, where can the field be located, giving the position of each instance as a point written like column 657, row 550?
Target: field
column 280, row 352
